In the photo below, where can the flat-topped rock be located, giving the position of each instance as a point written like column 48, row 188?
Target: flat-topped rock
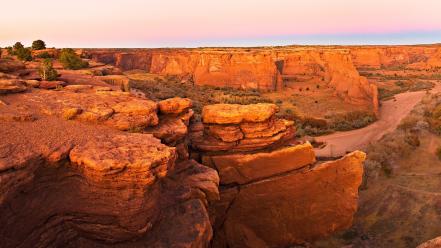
column 129, row 153
column 244, row 168
column 236, row 113
column 174, row 105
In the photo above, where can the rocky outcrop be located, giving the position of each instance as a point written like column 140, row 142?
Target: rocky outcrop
column 291, row 204
column 272, row 190
column 79, row 182
column 232, row 127
column 174, row 119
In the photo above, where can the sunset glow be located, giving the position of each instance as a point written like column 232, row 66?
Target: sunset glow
column 137, row 23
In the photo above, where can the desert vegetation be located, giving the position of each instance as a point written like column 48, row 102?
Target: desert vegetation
column 71, row 61
column 162, row 87
column 400, row 143
column 38, row 45
column 46, row 71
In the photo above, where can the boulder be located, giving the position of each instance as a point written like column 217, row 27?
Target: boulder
column 290, row 208
column 174, row 105
column 245, row 168
column 236, row 113
column 234, row 128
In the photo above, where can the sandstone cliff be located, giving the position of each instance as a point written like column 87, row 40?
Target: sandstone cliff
column 273, row 192
column 261, row 69
column 69, row 184
column 410, row 57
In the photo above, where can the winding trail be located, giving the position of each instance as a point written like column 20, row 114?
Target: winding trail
column 391, row 113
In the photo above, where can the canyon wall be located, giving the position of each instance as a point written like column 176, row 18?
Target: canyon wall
column 263, row 69
column 410, row 57
column 71, row 177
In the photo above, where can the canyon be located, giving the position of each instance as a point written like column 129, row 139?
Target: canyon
column 89, row 160
column 260, row 68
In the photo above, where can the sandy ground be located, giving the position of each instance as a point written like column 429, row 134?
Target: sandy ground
column 391, row 113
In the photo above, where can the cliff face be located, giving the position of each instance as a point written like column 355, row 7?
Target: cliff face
column 334, row 67
column 411, row 57
column 70, row 178
column 262, row 69
column 272, row 190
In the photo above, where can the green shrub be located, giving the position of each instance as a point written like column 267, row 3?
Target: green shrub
column 18, row 46
column 315, row 122
column 44, row 55
column 24, row 54
column 47, row 72
column 70, row 60
column 352, row 120
column 38, row 45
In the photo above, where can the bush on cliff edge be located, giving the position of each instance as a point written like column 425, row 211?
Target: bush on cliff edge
column 38, row 45
column 70, row 60
column 47, row 72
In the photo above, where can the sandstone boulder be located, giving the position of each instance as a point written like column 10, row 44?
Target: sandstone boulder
column 245, row 168
column 290, row 208
column 233, row 128
column 175, row 105
column 235, row 113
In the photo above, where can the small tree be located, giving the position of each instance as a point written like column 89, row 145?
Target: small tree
column 70, row 60
column 18, row 46
column 47, row 72
column 38, row 45
column 24, row 54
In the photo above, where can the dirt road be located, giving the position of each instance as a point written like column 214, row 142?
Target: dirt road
column 391, row 113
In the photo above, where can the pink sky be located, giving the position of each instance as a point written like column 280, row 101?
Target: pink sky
column 146, row 23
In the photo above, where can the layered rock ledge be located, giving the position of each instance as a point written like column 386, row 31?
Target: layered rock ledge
column 273, row 192
column 82, row 182
column 232, row 127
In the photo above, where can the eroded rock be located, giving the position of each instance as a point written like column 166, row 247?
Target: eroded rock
column 290, row 208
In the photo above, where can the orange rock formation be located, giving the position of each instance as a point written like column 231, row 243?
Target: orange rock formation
column 86, row 164
column 271, row 188
column 262, row 69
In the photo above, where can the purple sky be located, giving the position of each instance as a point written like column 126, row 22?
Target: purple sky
column 179, row 23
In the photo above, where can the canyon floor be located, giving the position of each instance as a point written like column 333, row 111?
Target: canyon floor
column 392, row 111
